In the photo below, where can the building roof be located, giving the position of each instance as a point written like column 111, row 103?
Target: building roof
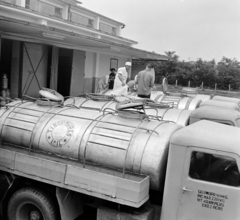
column 33, row 32
column 62, row 33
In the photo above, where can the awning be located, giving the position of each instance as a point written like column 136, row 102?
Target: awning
column 15, row 29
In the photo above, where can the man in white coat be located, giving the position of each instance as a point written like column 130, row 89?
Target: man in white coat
column 121, row 76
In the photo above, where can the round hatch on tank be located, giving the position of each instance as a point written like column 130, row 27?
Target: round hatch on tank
column 99, row 97
column 135, row 104
column 49, row 98
column 165, row 85
column 49, row 95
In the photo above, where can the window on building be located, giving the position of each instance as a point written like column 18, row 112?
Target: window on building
column 32, row 4
column 90, row 23
column 76, row 18
column 44, row 8
column 114, row 31
column 9, row 1
column 214, row 168
column 58, row 12
column 107, row 28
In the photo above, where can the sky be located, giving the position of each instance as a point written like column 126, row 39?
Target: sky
column 206, row 29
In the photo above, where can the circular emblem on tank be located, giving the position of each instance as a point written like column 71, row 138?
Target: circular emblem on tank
column 59, row 133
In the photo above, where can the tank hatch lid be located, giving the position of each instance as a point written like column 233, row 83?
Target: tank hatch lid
column 135, row 104
column 99, row 97
column 165, row 85
column 49, row 95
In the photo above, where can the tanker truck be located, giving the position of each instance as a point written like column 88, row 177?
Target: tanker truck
column 55, row 160
column 221, row 109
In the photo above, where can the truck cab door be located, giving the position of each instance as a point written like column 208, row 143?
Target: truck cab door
column 210, row 186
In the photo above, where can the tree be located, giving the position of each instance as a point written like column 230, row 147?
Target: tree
column 228, row 73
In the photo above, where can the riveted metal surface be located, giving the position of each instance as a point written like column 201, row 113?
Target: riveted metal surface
column 138, row 146
column 227, row 99
column 179, row 116
column 220, row 104
column 89, row 104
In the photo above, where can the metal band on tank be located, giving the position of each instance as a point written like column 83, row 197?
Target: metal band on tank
column 180, row 114
column 188, row 103
column 165, row 113
column 148, row 140
column 3, row 124
column 33, row 134
column 106, row 104
column 80, row 143
column 83, row 103
column 157, row 97
column 74, row 100
column 143, row 149
column 124, row 168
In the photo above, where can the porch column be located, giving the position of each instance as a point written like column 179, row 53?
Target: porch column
column 54, row 68
column 0, row 52
column 96, row 71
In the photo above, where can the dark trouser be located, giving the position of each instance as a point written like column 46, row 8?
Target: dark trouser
column 144, row 96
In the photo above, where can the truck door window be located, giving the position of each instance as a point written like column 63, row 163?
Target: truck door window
column 214, row 168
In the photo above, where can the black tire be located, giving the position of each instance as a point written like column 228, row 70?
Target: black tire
column 31, row 204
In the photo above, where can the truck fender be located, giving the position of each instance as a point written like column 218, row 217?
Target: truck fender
column 8, row 183
column 69, row 202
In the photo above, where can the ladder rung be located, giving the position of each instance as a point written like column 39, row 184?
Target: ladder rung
column 16, row 119
column 106, row 145
column 103, row 135
column 113, row 129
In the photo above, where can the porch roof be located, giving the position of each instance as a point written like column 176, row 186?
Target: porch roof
column 33, row 32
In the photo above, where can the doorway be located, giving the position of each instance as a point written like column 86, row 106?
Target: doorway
column 6, row 56
column 64, row 71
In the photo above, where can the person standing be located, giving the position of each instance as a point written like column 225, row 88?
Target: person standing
column 102, row 84
column 122, row 75
column 111, row 78
column 145, row 82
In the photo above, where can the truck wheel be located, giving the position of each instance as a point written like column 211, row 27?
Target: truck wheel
column 31, row 204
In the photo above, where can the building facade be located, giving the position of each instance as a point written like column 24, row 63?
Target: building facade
column 60, row 45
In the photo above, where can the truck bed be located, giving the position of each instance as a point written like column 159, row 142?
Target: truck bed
column 112, row 185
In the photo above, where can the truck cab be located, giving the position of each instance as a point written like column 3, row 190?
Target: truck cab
column 202, row 177
column 219, row 115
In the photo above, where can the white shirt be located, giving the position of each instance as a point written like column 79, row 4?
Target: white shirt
column 122, row 72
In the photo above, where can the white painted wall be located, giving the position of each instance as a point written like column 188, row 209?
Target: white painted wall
column 104, row 63
column 77, row 79
column 90, row 63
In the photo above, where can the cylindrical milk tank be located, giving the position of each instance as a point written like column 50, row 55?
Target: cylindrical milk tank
column 189, row 103
column 179, row 102
column 85, row 103
column 179, row 116
column 138, row 146
column 220, row 104
column 227, row 99
column 203, row 97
